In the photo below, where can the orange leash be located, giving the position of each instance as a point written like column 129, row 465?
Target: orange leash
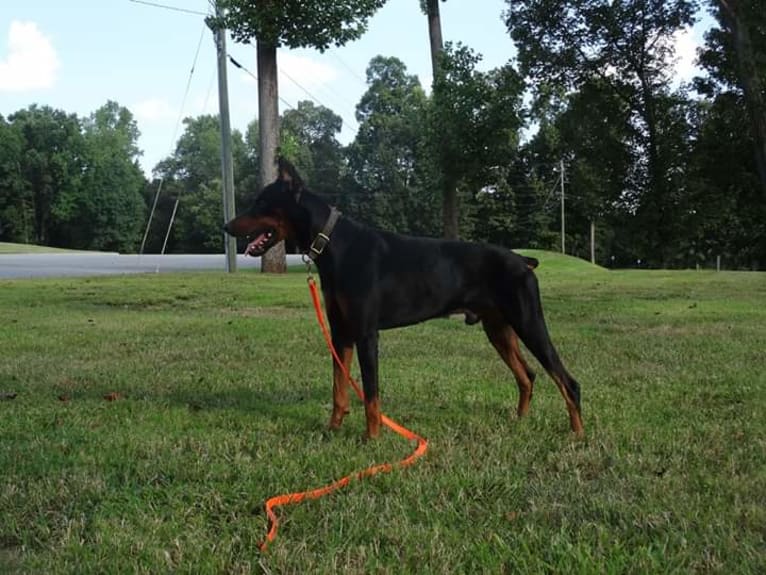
column 297, row 497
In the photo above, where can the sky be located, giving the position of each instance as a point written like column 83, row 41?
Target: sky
column 77, row 54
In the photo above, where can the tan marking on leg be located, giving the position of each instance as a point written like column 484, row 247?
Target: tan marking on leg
column 340, row 387
column 372, row 412
column 505, row 341
column 575, row 419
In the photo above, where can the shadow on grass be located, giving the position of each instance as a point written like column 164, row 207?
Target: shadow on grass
column 301, row 407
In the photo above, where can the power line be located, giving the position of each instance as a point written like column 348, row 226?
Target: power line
column 254, row 77
column 175, row 135
column 294, row 81
column 347, row 123
column 353, row 72
column 209, row 91
column 305, row 91
column 168, row 7
column 310, row 95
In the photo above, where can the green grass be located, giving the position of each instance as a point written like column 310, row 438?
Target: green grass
column 561, row 263
column 227, row 396
column 9, row 248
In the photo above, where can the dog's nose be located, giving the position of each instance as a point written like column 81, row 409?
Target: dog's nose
column 226, row 228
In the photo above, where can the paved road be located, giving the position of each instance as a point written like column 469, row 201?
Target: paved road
column 89, row 264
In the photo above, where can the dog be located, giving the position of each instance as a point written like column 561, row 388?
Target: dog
column 373, row 280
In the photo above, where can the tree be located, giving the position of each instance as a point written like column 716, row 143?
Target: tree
column 15, row 202
column 593, row 136
column 51, row 167
column 110, row 209
column 431, row 9
column 727, row 216
column 387, row 157
column 627, row 46
column 317, row 153
column 71, row 182
column 735, row 57
column 449, row 193
column 474, row 123
column 192, row 178
column 295, row 24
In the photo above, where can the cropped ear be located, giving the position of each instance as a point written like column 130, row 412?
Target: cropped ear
column 289, row 175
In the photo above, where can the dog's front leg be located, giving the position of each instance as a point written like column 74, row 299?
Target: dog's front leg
column 340, row 406
column 367, row 352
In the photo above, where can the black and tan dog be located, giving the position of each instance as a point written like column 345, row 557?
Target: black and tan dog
column 373, row 280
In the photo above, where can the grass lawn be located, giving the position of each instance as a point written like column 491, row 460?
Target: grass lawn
column 226, row 394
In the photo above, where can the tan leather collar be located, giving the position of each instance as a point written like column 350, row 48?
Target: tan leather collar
column 323, row 238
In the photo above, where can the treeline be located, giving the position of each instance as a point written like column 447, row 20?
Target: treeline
column 667, row 175
column 71, row 182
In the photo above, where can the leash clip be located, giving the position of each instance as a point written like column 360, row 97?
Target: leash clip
column 307, row 260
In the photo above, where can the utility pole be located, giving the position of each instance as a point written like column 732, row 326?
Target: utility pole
column 563, row 227
column 227, row 164
column 592, row 242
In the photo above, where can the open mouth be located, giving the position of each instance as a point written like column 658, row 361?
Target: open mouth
column 262, row 242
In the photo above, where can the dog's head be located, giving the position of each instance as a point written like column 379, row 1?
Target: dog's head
column 272, row 216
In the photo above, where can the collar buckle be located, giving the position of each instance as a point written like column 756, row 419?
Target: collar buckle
column 318, row 245
column 323, row 238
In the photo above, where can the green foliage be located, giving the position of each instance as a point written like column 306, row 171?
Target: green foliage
column 729, row 212
column 71, row 182
column 198, row 224
column 15, row 199
column 626, row 48
column 192, row 177
column 298, row 23
column 50, row 168
column 386, row 159
column 729, row 154
column 309, row 138
column 571, row 42
column 512, row 210
column 111, row 216
column 474, row 123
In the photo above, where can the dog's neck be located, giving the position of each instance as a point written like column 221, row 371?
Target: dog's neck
column 316, row 213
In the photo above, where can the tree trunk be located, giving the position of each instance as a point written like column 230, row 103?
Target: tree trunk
column 435, row 33
column 654, row 202
column 749, row 81
column 274, row 260
column 449, row 191
column 449, row 209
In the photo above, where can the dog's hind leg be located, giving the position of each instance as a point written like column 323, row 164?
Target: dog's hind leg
column 524, row 311
column 520, row 358
column 505, row 341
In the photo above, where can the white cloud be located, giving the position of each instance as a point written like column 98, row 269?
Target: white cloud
column 308, row 72
column 31, row 62
column 153, row 109
column 686, row 55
